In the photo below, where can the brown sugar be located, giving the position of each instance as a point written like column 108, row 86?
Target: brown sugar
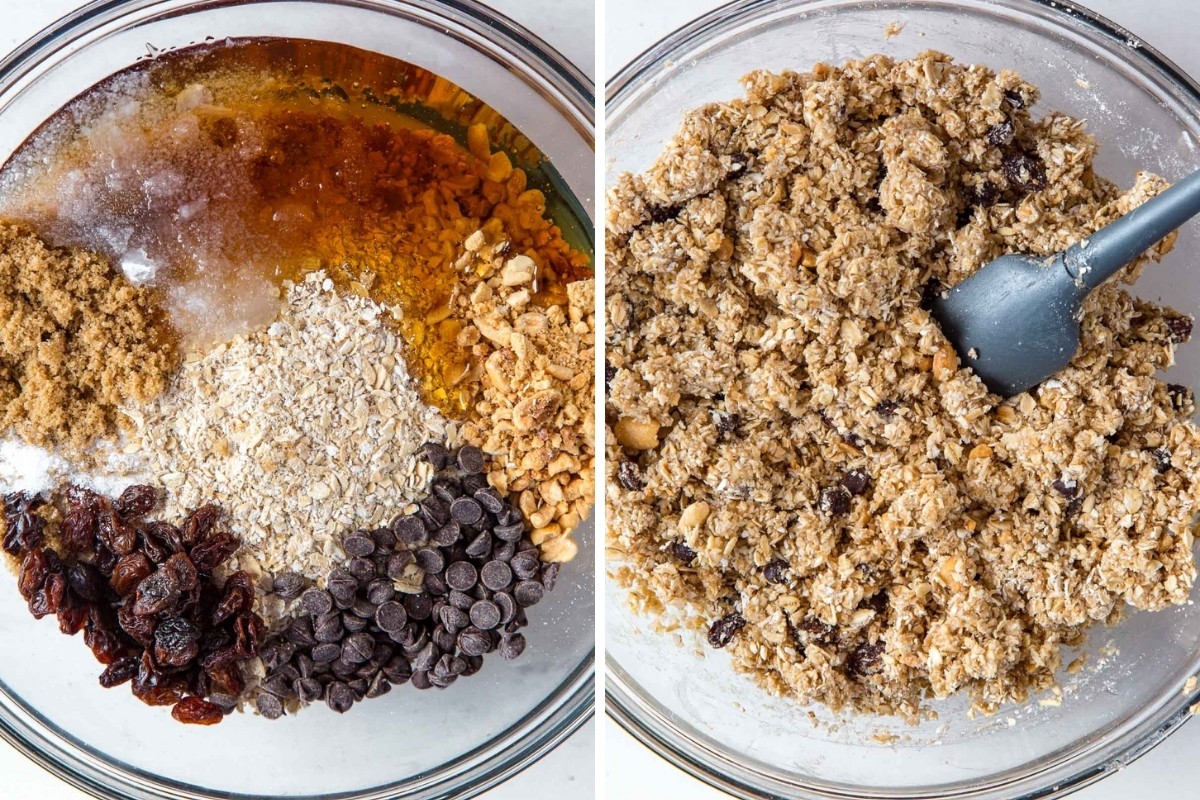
column 76, row 341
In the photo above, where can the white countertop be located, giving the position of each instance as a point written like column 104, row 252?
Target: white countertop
column 570, row 770
column 1171, row 769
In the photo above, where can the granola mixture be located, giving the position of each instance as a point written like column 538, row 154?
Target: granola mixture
column 796, row 460
column 536, row 408
column 76, row 341
column 299, row 430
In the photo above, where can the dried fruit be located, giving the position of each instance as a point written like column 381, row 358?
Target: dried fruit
column 136, row 501
column 724, row 629
column 129, row 572
column 194, row 711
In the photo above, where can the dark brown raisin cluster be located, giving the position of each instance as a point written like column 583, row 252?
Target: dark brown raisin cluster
column 144, row 595
column 359, row 636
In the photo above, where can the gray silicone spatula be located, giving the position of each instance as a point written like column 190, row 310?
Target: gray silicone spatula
column 1016, row 320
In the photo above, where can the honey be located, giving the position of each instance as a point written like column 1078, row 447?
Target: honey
column 215, row 173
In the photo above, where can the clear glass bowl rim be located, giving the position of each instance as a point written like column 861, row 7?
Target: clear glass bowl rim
column 572, row 703
column 639, row 715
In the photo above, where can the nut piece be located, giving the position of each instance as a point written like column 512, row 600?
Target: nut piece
column 561, row 549
column 636, row 435
column 694, row 515
column 945, row 363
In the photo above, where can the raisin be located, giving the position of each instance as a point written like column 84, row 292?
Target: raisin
column 157, row 594
column 226, row 679
column 78, row 531
column 34, row 571
column 683, row 554
column 23, row 531
column 85, row 581
column 1179, row 328
column 1181, row 396
column 1001, row 134
column 630, row 477
column 166, row 533
column 129, row 572
column 238, row 596
column 1162, row 459
column 214, row 550
column 724, row 629
column 55, row 590
column 154, row 688
column 104, row 643
column 194, row 711
column 72, row 615
column 139, row 628
column 877, row 602
column 136, row 501
column 119, row 672
column 199, row 525
column 176, row 642
column 248, row 630
column 1023, row 171
column 81, row 499
column 738, row 162
column 818, row 632
column 864, row 660
column 983, row 195
column 156, row 548
column 116, row 534
column 610, row 372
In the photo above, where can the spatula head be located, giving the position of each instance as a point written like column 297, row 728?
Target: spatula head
column 1015, row 322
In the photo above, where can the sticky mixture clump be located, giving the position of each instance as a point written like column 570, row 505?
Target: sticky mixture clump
column 794, row 451
column 76, row 342
column 535, row 394
column 299, row 431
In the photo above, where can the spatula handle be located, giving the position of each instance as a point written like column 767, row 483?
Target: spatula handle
column 1115, row 245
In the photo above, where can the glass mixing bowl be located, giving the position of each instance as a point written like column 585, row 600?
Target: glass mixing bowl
column 409, row 744
column 685, row 702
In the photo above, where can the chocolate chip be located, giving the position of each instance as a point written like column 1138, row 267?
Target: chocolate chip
column 610, row 372
column 1067, row 490
column 509, row 533
column 728, row 423
column 550, row 575
column 682, row 553
column 738, row 162
column 724, row 629
column 430, row 560
column 397, row 562
column 511, row 646
column 326, row 652
column 1181, row 396
column 834, row 500
column 1001, row 134
column 358, row 544
column 437, row 455
column 434, row 512
column 269, row 705
column 339, row 697
column 528, row 593
column 856, row 481
column 1024, row 172
column 362, row 569
column 418, row 606
column 470, row 460
column 289, row 585
column 629, row 476
column 496, row 575
column 507, row 606
column 379, row 591
column 887, row 409
column 480, row 546
column 410, row 531
column 1179, row 328
column 309, row 690
column 466, row 511
column 316, row 601
column 775, row 571
column 462, row 600
column 525, row 564
column 486, row 615
column 391, row 616
column 354, row 623
column 461, row 575
column 474, row 642
column 328, row 627
column 378, row 686
column 1014, row 98
column 447, row 535
column 1162, row 459
column 490, row 499
column 385, row 541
